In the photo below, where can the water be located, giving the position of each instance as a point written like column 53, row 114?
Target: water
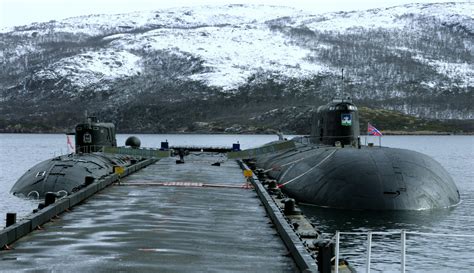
column 18, row 152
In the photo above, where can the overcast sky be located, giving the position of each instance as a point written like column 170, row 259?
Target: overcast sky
column 21, row 12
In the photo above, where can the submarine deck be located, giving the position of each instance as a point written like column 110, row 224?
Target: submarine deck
column 161, row 219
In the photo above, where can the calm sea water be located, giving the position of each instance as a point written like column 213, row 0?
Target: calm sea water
column 19, row 152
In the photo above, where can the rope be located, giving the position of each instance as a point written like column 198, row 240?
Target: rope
column 188, row 185
column 286, row 164
column 310, row 169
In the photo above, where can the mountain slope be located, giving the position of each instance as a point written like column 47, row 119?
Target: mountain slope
column 160, row 70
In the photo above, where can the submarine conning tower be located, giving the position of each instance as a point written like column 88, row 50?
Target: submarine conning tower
column 336, row 121
column 92, row 135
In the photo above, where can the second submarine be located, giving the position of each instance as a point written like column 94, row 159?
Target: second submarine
column 331, row 169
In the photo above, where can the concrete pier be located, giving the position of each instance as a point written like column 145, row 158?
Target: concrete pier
column 168, row 217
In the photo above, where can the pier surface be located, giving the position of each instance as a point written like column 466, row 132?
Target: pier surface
column 168, row 217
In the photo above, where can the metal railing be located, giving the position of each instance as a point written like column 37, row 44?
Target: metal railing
column 403, row 234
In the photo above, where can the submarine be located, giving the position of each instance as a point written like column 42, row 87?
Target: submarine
column 331, row 169
column 69, row 173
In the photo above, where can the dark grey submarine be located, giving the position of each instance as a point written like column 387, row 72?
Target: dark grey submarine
column 68, row 173
column 330, row 168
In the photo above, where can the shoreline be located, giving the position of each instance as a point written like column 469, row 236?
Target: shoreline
column 385, row 133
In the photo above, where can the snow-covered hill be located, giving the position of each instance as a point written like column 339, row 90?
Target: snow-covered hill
column 408, row 58
column 398, row 17
column 91, row 67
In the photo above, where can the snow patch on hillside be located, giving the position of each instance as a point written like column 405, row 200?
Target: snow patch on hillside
column 231, row 53
column 6, row 29
column 184, row 17
column 397, row 17
column 462, row 73
column 13, row 54
column 92, row 67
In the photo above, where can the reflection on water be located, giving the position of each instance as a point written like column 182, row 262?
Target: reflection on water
column 330, row 220
column 425, row 253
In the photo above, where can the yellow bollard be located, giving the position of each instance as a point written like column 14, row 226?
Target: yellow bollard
column 119, row 170
column 248, row 173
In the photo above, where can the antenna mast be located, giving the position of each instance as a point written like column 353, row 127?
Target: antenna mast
column 342, row 83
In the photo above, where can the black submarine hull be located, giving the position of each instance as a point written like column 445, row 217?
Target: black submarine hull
column 67, row 173
column 370, row 178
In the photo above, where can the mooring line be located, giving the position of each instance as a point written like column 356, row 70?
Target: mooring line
column 310, row 169
column 239, row 185
column 286, row 164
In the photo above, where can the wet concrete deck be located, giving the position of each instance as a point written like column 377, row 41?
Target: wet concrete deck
column 142, row 226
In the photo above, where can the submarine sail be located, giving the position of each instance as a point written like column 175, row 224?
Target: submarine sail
column 337, row 121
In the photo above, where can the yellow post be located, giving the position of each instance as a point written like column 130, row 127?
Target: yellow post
column 119, row 170
column 248, row 174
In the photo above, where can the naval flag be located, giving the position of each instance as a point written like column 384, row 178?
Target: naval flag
column 70, row 146
column 371, row 130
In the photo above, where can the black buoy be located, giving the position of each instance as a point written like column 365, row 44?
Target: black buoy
column 88, row 180
column 133, row 142
column 49, row 198
column 181, row 154
column 289, row 206
column 272, row 185
column 295, row 225
column 11, row 219
column 235, row 147
column 164, row 146
column 323, row 259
